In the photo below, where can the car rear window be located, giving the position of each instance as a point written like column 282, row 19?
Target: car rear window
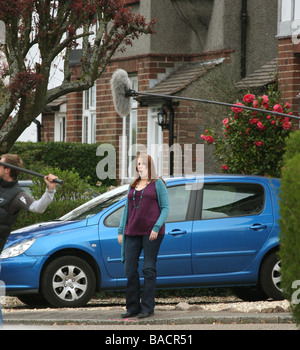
column 232, row 199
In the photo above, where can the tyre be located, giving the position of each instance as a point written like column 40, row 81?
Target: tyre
column 68, row 281
column 33, row 300
column 254, row 293
column 270, row 277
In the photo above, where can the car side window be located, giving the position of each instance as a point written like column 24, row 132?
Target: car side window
column 113, row 220
column 179, row 197
column 232, row 199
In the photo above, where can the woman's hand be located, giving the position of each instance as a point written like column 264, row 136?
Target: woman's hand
column 153, row 235
column 120, row 239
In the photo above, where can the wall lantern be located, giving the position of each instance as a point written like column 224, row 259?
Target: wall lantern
column 162, row 118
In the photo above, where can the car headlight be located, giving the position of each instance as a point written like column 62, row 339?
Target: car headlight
column 17, row 249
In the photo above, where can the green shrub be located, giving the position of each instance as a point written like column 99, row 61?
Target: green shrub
column 252, row 142
column 70, row 195
column 77, row 157
column 290, row 225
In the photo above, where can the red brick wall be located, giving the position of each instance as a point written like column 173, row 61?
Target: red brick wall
column 74, row 111
column 47, row 132
column 289, row 73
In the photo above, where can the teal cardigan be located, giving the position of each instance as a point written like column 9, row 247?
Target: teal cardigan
column 163, row 202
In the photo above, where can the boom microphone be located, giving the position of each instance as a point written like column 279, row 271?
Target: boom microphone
column 120, row 84
column 6, row 165
column 122, row 92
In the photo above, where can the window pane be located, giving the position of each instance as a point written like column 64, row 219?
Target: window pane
column 86, row 100
column 179, row 197
column 113, row 220
column 93, row 96
column 85, row 129
column 286, row 10
column 229, row 200
column 93, row 128
column 297, row 10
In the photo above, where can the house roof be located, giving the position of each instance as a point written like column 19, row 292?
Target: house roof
column 55, row 105
column 261, row 77
column 181, row 78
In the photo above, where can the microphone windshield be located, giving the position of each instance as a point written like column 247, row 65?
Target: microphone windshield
column 120, row 84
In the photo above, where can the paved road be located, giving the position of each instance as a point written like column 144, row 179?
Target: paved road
column 186, row 328
column 110, row 319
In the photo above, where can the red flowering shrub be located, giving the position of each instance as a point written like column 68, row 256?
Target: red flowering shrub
column 252, row 142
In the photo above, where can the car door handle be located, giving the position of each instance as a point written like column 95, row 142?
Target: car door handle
column 258, row 227
column 177, row 232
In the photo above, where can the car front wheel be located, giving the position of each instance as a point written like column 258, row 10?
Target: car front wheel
column 68, row 281
column 270, row 277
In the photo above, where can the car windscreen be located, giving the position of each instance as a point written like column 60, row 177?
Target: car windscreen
column 94, row 206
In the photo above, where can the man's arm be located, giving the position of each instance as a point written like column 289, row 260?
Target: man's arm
column 24, row 201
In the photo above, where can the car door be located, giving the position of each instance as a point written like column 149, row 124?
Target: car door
column 235, row 220
column 174, row 258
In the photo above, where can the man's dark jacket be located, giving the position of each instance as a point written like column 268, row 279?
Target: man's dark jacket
column 8, row 191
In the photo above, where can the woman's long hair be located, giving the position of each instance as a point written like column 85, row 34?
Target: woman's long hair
column 152, row 174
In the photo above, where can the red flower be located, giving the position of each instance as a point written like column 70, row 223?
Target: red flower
column 225, row 121
column 278, row 108
column 225, row 167
column 286, row 125
column 259, row 143
column 207, row 138
column 260, row 126
column 265, row 101
column 249, row 98
column 236, row 109
column 255, row 104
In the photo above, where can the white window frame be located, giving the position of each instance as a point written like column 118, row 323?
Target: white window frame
column 89, row 116
column 130, row 136
column 155, row 139
column 288, row 17
column 60, row 124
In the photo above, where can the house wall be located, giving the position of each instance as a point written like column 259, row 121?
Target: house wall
column 187, row 31
column 289, row 72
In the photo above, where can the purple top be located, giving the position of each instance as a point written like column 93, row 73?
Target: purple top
column 142, row 220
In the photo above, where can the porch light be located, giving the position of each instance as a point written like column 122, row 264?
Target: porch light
column 162, row 118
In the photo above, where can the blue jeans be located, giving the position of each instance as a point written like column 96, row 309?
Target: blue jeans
column 133, row 248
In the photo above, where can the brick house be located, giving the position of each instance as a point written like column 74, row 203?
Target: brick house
column 192, row 39
column 289, row 52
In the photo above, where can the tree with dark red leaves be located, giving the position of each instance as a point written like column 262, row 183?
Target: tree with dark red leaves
column 52, row 28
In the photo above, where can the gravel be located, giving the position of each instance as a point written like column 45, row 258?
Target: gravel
column 205, row 303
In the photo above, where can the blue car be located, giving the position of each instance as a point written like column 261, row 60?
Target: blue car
column 222, row 231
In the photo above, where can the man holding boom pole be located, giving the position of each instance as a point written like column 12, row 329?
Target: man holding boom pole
column 13, row 198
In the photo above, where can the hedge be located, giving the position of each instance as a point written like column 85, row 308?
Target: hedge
column 290, row 224
column 77, row 157
column 69, row 196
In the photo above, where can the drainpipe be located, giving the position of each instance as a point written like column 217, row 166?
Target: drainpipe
column 244, row 37
column 39, row 129
column 171, row 136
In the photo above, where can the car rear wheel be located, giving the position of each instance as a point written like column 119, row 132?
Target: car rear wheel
column 270, row 277
column 68, row 281
column 253, row 293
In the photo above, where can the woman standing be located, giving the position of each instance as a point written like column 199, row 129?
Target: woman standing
column 142, row 227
